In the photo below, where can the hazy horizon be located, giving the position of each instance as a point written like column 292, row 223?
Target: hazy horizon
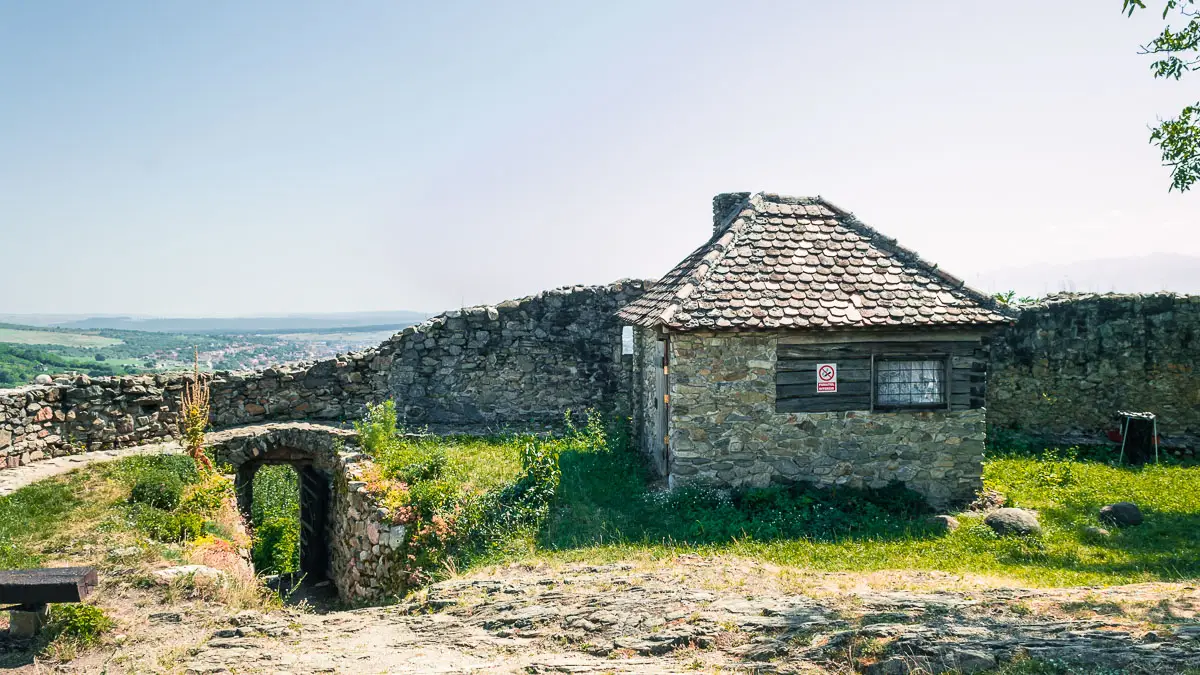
column 232, row 160
column 1118, row 274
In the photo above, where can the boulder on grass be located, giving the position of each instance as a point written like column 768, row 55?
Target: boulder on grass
column 1121, row 514
column 1093, row 532
column 1020, row 522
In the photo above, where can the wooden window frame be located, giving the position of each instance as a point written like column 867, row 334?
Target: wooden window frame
column 947, row 374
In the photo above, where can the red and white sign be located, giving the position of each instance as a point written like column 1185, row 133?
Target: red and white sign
column 827, row 378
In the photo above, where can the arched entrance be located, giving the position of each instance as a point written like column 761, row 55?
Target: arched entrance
column 316, row 493
column 344, row 537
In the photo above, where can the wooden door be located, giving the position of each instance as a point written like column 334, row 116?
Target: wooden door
column 314, row 514
column 662, row 400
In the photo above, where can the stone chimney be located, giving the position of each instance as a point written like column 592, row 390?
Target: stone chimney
column 723, row 206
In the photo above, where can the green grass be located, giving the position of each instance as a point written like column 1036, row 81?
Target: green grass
column 38, row 508
column 604, row 512
column 64, row 339
column 483, row 463
column 91, row 510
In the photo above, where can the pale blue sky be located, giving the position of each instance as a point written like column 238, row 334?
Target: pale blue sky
column 226, row 158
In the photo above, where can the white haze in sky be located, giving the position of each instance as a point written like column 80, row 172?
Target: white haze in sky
column 227, row 158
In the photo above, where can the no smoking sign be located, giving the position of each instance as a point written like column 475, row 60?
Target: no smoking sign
column 827, row 378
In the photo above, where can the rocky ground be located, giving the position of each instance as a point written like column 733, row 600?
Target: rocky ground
column 719, row 616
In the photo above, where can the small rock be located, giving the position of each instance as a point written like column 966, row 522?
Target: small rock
column 903, row 665
column 1188, row 632
column 762, row 651
column 1121, row 514
column 1011, row 521
column 971, row 660
column 1093, row 532
column 166, row 576
column 943, row 523
column 43, row 379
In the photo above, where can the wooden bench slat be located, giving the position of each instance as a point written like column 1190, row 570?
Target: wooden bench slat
column 41, row 586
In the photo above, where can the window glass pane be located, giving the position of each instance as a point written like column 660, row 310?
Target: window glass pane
column 909, row 383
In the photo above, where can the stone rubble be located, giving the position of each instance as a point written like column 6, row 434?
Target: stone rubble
column 612, row 618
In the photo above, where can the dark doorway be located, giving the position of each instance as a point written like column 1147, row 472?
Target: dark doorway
column 314, row 519
column 313, row 489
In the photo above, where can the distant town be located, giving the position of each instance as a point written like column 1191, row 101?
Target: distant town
column 105, row 346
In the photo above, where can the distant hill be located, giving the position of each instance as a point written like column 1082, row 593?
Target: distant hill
column 1131, row 274
column 268, row 324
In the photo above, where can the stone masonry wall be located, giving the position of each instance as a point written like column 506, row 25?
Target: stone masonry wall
column 1071, row 362
column 77, row 414
column 518, row 363
column 725, row 431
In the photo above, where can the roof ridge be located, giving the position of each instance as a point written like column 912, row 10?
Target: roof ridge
column 719, row 244
column 892, row 245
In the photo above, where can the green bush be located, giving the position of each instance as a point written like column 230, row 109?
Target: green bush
column 207, row 496
column 429, row 466
column 276, row 494
column 275, row 519
column 277, row 546
column 159, row 489
column 700, row 515
column 168, row 526
column 81, row 623
column 130, row 469
column 458, row 496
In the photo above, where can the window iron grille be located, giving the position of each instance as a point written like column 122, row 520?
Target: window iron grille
column 910, row 383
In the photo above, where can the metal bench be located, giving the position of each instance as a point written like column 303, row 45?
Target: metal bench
column 30, row 591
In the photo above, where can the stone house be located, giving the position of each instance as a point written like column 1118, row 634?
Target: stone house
column 798, row 344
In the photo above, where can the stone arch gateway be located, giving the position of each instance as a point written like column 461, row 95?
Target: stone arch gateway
column 344, row 535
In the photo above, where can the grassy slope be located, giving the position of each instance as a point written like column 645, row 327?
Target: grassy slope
column 78, row 517
column 604, row 512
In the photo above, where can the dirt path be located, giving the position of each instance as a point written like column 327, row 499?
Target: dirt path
column 16, row 478
column 719, row 616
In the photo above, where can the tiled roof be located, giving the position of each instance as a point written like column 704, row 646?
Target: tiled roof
column 800, row 262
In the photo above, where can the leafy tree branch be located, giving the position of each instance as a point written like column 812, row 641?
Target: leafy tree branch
column 1179, row 137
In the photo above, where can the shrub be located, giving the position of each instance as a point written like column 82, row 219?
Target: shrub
column 378, row 429
column 131, row 469
column 168, row 526
column 207, row 496
column 159, row 489
column 428, row 467
column 275, row 518
column 82, row 623
column 276, row 494
column 459, row 496
column 277, row 545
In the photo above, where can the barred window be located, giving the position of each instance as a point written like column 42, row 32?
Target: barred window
column 910, row 384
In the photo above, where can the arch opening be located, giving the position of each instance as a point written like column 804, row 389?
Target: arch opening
column 314, row 493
